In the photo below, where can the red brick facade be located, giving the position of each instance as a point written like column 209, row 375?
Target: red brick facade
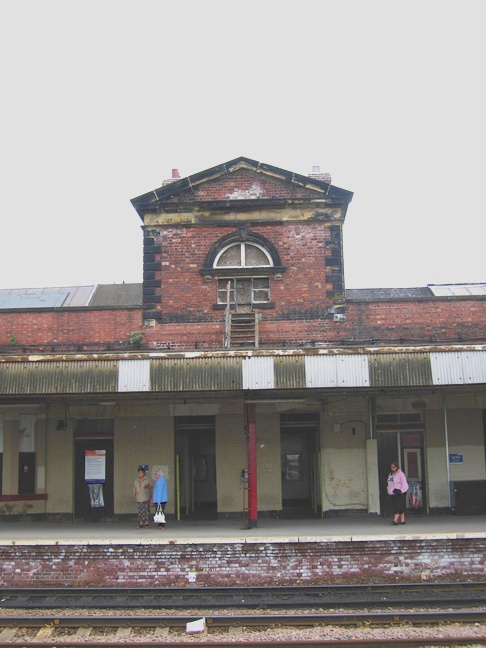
column 296, row 217
column 243, row 185
column 180, row 254
column 67, row 329
column 213, row 565
column 420, row 322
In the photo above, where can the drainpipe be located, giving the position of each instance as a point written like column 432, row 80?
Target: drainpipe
column 446, row 433
column 252, row 464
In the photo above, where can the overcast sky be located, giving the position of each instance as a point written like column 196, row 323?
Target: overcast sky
column 102, row 98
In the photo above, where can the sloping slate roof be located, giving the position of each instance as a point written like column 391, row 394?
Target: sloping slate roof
column 387, row 294
column 60, row 297
column 432, row 291
column 101, row 295
column 458, row 290
column 131, row 295
column 117, row 295
column 190, row 183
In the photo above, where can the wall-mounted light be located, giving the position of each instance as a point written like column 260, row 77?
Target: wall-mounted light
column 62, row 423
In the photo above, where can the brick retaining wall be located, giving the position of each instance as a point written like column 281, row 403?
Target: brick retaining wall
column 252, row 564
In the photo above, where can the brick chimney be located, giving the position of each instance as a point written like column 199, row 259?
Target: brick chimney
column 317, row 175
column 175, row 176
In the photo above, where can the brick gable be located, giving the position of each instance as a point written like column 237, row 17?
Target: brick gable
column 244, row 185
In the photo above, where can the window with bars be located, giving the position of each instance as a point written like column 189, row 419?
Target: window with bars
column 253, row 290
column 245, row 290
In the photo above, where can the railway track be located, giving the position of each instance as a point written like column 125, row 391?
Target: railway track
column 156, row 630
column 328, row 596
column 339, row 616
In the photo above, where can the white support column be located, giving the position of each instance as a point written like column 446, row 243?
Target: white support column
column 372, row 474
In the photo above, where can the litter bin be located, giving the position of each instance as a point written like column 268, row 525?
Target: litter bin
column 469, row 497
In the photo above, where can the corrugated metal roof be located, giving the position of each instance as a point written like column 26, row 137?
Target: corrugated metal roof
column 65, row 377
column 337, row 371
column 258, row 373
column 134, row 375
column 206, row 372
column 196, row 374
column 458, row 368
column 400, row 370
column 289, row 372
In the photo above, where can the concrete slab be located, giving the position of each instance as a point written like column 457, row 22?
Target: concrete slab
column 345, row 528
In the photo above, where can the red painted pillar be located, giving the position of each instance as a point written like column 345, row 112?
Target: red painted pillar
column 252, row 464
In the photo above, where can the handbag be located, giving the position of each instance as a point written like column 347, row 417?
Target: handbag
column 159, row 517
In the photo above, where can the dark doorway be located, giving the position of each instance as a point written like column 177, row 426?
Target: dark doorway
column 82, row 505
column 26, row 473
column 300, row 465
column 195, row 443
column 484, row 432
column 406, row 447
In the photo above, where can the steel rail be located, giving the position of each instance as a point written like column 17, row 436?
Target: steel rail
column 293, row 620
column 248, row 597
column 281, row 643
column 208, row 643
column 266, row 621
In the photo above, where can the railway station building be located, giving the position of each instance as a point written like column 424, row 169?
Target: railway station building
column 243, row 368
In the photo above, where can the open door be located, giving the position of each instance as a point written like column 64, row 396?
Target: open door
column 195, row 469
column 407, row 447
column 300, row 465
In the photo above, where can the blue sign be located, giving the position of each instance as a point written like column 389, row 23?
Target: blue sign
column 456, row 458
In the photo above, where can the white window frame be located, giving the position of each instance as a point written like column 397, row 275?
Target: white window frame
column 233, row 289
column 243, row 245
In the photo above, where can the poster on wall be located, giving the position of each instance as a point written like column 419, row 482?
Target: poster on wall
column 95, row 466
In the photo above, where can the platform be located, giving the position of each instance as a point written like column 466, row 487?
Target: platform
column 344, row 549
column 345, row 528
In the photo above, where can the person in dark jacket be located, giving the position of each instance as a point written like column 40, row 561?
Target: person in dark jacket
column 397, row 487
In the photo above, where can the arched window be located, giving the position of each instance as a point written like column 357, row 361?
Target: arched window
column 243, row 264
column 243, row 255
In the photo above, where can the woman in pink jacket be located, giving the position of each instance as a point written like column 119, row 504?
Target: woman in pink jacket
column 397, row 487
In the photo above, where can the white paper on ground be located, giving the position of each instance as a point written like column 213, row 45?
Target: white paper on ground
column 196, row 626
